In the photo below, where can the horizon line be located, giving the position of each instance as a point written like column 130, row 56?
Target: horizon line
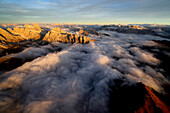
column 84, row 23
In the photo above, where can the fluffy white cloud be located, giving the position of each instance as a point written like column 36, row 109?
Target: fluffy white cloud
column 77, row 78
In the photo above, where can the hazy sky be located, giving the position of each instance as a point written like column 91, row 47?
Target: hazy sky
column 85, row 11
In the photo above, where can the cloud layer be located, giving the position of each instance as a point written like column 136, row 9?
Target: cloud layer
column 79, row 11
column 77, row 79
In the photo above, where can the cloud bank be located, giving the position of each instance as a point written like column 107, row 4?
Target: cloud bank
column 77, row 79
column 79, row 11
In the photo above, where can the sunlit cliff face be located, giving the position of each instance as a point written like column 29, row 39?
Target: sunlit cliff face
column 83, row 78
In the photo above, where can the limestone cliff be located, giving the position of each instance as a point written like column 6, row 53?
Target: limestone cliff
column 29, row 32
column 58, row 34
column 18, row 34
column 35, row 32
column 6, row 37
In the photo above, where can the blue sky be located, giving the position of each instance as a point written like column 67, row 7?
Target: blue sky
column 85, row 11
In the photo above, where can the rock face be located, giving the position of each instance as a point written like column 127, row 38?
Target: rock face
column 6, row 37
column 58, row 34
column 29, row 32
column 152, row 104
column 35, row 32
column 81, row 32
column 18, row 34
column 136, row 98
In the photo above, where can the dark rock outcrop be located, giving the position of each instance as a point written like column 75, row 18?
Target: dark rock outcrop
column 136, row 98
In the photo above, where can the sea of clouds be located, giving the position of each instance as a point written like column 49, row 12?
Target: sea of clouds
column 76, row 79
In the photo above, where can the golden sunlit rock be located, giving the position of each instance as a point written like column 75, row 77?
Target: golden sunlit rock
column 58, row 34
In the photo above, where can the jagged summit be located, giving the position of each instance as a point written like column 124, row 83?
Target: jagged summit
column 18, row 34
column 35, row 32
column 58, row 30
column 11, row 36
column 57, row 34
